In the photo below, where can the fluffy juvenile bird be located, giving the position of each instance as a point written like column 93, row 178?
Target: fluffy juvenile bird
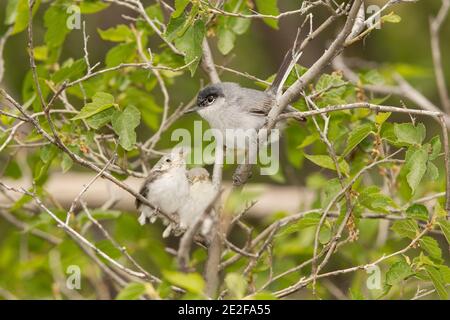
column 201, row 193
column 167, row 187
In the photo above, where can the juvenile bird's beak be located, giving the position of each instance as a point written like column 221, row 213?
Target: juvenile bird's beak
column 194, row 109
column 183, row 151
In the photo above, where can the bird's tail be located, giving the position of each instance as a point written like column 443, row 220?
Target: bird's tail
column 290, row 59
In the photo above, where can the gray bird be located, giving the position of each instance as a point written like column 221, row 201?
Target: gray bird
column 167, row 187
column 233, row 110
column 227, row 105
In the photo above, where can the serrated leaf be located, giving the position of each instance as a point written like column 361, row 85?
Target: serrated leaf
column 432, row 172
column 124, row 124
column 191, row 44
column 132, row 291
column 100, row 102
column 100, row 119
column 398, row 272
column 445, row 227
column 408, row 134
column 417, row 211
column 416, row 166
column 372, row 198
column 431, row 246
column 406, row 228
column 268, row 7
column 438, row 281
column 236, row 284
column 435, row 147
column 325, row 161
column 357, row 135
column 192, row 282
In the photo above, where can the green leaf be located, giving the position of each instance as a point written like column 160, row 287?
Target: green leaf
column 325, row 161
column 119, row 33
column 92, row 6
column 100, row 119
column 239, row 25
column 226, row 40
column 309, row 220
column 398, row 272
column 100, row 102
column 438, row 281
column 268, row 7
column 381, row 117
column 372, row 198
column 357, row 135
column 124, row 124
column 371, row 77
column 432, row 172
column 71, row 71
column 236, row 284
column 191, row 44
column 192, row 282
column 66, row 162
column 417, row 211
column 415, row 167
column 180, row 5
column 408, row 134
column 55, row 20
column 11, row 11
column 154, row 12
column 132, row 291
column 391, row 18
column 330, row 190
column 21, row 15
column 445, row 227
column 121, row 53
column 431, row 246
column 406, row 228
column 435, row 147
column 40, row 53
column 47, row 153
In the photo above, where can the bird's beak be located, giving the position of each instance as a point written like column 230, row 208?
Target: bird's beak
column 194, row 109
column 183, row 151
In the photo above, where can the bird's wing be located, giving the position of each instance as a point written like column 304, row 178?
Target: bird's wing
column 144, row 188
column 264, row 107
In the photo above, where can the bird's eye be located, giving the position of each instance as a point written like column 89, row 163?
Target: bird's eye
column 210, row 99
column 168, row 160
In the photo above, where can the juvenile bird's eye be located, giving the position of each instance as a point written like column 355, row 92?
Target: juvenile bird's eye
column 168, row 160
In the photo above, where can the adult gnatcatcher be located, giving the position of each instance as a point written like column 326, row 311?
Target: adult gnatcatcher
column 227, row 105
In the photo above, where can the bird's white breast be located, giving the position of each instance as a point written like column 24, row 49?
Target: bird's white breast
column 201, row 194
column 170, row 191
